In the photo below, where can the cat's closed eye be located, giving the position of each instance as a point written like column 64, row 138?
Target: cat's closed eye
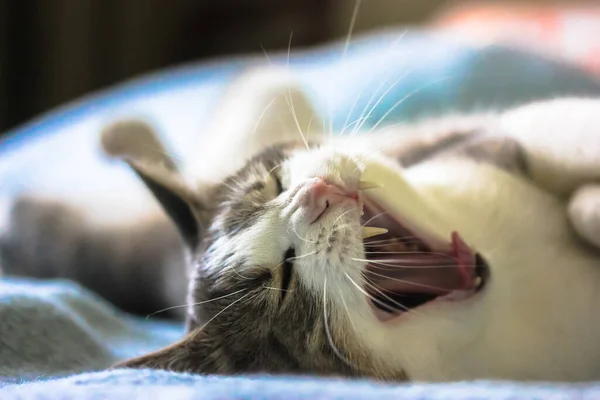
column 279, row 183
column 287, row 270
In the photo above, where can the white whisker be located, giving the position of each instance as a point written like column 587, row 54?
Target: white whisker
column 423, row 285
column 392, row 301
column 367, row 84
column 279, row 289
column 402, row 100
column 223, row 310
column 328, row 332
column 346, row 308
column 406, row 309
column 302, row 256
column 341, row 215
column 373, row 217
column 275, row 167
column 300, row 237
column 365, row 118
column 346, row 125
column 194, row 304
column 289, row 100
column 376, row 262
column 331, row 99
column 239, row 275
column 402, row 238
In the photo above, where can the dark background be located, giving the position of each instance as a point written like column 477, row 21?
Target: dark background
column 53, row 51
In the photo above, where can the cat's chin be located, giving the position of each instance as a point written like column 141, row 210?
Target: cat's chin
column 414, row 263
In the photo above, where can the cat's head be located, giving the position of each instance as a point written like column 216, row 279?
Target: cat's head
column 325, row 257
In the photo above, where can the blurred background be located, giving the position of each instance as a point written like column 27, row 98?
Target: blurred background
column 54, row 51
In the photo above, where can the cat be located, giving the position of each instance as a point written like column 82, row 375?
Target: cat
column 461, row 247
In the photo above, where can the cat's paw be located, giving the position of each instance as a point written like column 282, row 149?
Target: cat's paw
column 584, row 213
column 38, row 237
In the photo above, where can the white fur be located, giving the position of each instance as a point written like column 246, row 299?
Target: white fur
column 535, row 319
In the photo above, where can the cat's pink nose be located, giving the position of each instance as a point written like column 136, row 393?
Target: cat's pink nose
column 321, row 197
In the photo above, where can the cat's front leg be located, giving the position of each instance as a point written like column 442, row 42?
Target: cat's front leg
column 584, row 212
column 561, row 140
column 138, row 266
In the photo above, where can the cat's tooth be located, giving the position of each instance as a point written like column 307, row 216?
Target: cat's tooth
column 477, row 283
column 370, row 231
column 366, row 185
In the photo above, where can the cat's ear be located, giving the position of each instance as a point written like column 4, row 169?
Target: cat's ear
column 194, row 353
column 136, row 143
column 262, row 107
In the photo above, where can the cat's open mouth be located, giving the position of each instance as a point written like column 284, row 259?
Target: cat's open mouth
column 406, row 271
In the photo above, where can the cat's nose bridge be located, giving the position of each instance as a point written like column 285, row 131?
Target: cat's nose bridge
column 320, row 195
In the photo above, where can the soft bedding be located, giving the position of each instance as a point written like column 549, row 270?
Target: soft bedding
column 57, row 339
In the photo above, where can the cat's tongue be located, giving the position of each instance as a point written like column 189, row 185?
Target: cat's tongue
column 436, row 273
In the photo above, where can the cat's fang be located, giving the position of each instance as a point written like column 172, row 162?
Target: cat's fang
column 367, row 185
column 370, row 231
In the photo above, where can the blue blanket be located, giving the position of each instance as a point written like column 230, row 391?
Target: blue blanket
column 57, row 339
column 50, row 331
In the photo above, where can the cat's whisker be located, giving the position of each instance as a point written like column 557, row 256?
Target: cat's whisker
column 290, row 101
column 391, row 300
column 402, row 100
column 403, row 238
column 373, row 217
column 332, row 101
column 289, row 47
column 394, row 240
column 408, row 251
column 363, row 117
column 341, row 215
column 335, row 349
column 346, row 308
column 437, row 253
column 353, row 123
column 269, row 61
column 194, row 304
column 353, row 19
column 385, row 246
column 276, row 288
column 261, row 116
column 302, row 256
column 310, row 121
column 290, row 104
column 300, row 237
column 223, row 310
column 387, row 267
column 400, row 260
column 423, row 285
column 275, row 167
column 372, row 298
column 367, row 84
column 240, row 275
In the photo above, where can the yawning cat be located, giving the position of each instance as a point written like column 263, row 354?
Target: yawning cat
column 459, row 248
